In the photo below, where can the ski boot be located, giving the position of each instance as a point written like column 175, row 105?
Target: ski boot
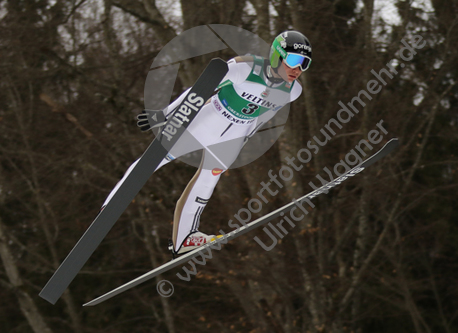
column 193, row 241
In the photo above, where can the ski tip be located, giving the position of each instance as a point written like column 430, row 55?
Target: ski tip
column 393, row 141
column 392, row 144
column 385, row 150
column 219, row 65
column 218, row 59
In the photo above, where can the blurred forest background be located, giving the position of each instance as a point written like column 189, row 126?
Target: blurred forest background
column 377, row 254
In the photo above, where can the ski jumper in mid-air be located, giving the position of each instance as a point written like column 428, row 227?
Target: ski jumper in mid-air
column 250, row 94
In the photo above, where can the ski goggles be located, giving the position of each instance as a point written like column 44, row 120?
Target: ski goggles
column 294, row 60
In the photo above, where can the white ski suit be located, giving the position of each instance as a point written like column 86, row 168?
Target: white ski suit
column 246, row 98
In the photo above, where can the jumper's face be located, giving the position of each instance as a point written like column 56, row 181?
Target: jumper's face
column 287, row 73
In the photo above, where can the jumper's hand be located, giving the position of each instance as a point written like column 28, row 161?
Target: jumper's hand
column 149, row 119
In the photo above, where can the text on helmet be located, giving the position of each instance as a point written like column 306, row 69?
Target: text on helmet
column 302, row 47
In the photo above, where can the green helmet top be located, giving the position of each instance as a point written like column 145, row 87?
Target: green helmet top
column 292, row 42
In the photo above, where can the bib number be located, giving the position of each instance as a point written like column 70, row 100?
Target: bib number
column 250, row 109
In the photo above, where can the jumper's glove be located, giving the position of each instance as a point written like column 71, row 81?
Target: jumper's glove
column 149, row 119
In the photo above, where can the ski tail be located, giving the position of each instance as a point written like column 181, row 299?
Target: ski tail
column 148, row 162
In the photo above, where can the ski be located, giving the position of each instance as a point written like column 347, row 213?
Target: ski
column 202, row 90
column 206, row 249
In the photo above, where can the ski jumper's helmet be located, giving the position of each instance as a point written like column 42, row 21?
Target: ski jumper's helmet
column 293, row 48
